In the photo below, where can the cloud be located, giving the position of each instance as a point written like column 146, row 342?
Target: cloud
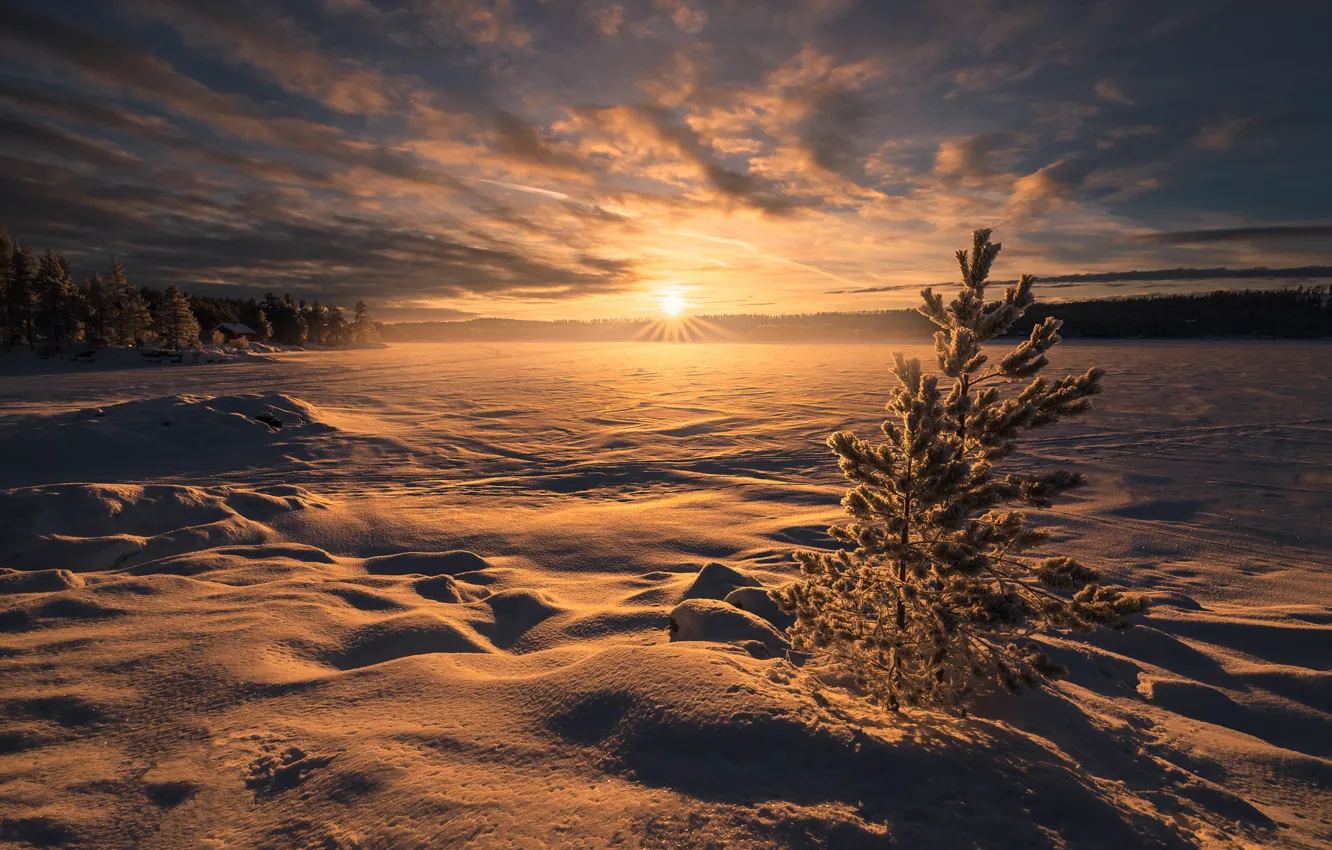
column 491, row 23
column 1174, row 276
column 1110, row 92
column 52, row 141
column 1255, row 233
column 113, row 66
column 684, row 15
column 498, row 155
column 277, row 48
column 1036, row 193
column 653, row 139
column 1223, row 134
column 973, row 160
column 605, row 18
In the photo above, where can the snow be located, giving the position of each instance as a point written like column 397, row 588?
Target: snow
column 434, row 607
column 21, row 362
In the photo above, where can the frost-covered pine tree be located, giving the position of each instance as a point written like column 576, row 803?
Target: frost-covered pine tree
column 939, row 591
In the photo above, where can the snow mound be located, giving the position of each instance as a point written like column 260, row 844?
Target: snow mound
column 426, row 563
column 114, row 359
column 76, row 528
column 756, row 601
column 401, row 637
column 787, row 767
column 711, row 620
column 716, row 580
column 200, row 418
column 447, row 589
column 179, row 434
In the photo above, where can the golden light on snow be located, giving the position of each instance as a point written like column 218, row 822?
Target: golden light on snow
column 672, row 305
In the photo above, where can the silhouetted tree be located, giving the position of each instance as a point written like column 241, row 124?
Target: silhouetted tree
column 117, row 298
column 938, row 591
column 58, row 301
column 137, row 319
column 288, row 325
column 336, row 329
column 364, row 328
column 315, row 317
column 23, row 295
column 95, row 310
column 258, row 322
column 211, row 312
column 175, row 323
column 297, row 331
column 8, row 337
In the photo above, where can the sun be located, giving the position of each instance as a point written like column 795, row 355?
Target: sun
column 672, row 305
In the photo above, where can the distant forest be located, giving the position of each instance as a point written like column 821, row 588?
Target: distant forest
column 42, row 307
column 1299, row 313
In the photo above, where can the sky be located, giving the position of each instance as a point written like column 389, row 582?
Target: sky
column 443, row 159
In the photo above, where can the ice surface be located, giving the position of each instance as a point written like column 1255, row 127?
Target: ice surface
column 434, row 607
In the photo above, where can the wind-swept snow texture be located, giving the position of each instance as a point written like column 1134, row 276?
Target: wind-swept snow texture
column 511, row 596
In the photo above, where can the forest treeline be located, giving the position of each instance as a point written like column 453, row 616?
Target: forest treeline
column 1298, row 313
column 43, row 307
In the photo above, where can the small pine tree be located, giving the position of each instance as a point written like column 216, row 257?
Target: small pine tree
column 938, row 592
column 176, row 324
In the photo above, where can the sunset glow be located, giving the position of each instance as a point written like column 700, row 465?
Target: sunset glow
column 551, row 160
column 672, row 305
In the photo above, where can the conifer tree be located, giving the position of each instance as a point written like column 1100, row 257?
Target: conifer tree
column 175, row 323
column 137, row 319
column 7, row 336
column 938, row 590
column 118, row 307
column 95, row 310
column 297, row 330
column 23, row 295
column 336, row 329
column 363, row 327
column 261, row 326
column 57, row 297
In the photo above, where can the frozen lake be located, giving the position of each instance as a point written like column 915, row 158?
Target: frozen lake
column 254, row 598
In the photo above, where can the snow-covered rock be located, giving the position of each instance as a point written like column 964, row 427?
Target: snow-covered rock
column 716, row 580
column 714, row 620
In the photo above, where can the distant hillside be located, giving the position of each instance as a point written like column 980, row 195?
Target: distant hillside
column 1301, row 313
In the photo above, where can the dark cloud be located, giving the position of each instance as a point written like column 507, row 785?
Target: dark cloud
column 522, row 140
column 733, row 185
column 1059, row 281
column 53, row 141
column 337, row 258
column 1263, row 233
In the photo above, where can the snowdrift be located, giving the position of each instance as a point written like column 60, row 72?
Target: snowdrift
column 23, row 362
column 287, row 689
column 186, row 436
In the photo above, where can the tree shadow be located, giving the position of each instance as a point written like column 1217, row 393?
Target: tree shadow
column 973, row 783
